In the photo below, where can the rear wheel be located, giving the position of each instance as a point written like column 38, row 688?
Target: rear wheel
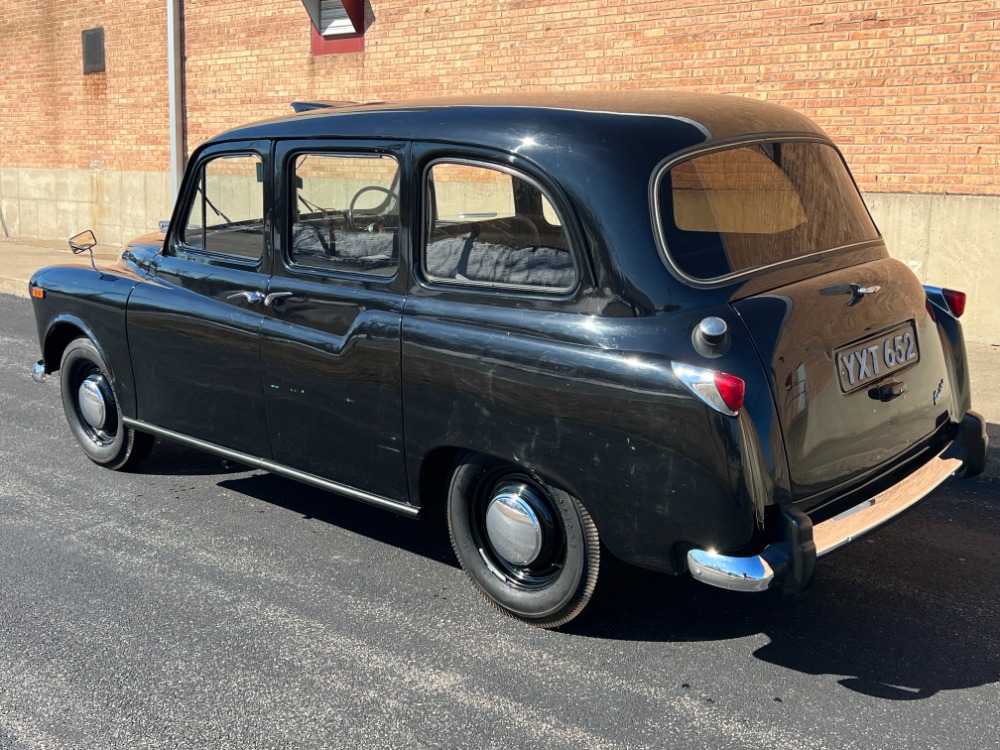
column 92, row 410
column 530, row 548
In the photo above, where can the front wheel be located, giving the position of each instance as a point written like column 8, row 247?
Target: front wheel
column 531, row 549
column 92, row 410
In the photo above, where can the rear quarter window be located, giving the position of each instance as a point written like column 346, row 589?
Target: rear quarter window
column 725, row 212
column 492, row 226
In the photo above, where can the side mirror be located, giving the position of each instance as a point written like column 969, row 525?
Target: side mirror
column 82, row 242
column 78, row 243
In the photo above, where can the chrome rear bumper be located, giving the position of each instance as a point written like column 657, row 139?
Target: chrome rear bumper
column 810, row 542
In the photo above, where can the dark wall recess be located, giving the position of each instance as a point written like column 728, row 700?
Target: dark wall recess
column 93, row 50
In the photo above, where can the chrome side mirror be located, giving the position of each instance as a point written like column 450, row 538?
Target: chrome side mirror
column 85, row 241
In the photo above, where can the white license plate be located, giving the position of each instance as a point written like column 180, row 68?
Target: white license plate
column 872, row 359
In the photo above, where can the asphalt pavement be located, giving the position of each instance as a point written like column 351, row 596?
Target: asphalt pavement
column 194, row 604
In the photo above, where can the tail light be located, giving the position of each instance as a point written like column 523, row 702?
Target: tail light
column 955, row 300
column 720, row 390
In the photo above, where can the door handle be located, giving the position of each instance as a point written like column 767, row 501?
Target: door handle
column 274, row 297
column 251, row 297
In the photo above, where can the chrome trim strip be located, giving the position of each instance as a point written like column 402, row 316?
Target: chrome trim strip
column 753, row 573
column 275, row 468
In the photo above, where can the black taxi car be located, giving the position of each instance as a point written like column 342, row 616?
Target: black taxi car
column 661, row 326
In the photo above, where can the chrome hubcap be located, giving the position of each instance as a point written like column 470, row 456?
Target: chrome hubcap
column 93, row 400
column 512, row 525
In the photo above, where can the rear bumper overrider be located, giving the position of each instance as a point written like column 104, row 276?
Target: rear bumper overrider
column 791, row 561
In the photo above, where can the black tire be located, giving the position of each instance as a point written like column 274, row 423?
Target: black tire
column 557, row 583
column 110, row 443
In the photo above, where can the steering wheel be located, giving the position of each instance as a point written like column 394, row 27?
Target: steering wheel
column 354, row 200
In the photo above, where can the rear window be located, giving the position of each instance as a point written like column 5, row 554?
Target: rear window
column 734, row 210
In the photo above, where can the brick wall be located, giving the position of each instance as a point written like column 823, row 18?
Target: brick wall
column 910, row 89
column 53, row 116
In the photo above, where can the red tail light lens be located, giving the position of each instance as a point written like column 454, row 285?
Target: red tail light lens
column 731, row 389
column 720, row 390
column 955, row 300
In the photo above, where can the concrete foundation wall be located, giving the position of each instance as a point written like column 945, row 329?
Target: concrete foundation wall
column 56, row 203
column 948, row 240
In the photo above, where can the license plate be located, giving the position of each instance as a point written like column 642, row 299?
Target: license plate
column 872, row 359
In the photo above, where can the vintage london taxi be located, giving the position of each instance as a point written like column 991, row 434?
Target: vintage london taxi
column 658, row 326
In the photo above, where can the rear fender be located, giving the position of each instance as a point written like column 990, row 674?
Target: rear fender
column 953, row 343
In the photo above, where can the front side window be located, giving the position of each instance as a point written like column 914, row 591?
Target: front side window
column 489, row 226
column 345, row 214
column 734, row 210
column 226, row 213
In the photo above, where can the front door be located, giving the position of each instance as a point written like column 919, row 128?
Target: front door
column 194, row 329
column 331, row 338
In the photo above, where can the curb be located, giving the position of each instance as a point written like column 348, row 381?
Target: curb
column 14, row 287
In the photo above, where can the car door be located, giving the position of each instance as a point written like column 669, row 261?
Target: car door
column 331, row 336
column 194, row 328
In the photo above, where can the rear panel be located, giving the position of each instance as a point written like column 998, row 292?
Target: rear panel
column 858, row 378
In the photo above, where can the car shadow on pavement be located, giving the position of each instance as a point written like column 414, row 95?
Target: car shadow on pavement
column 909, row 612
column 903, row 615
column 174, row 459
column 427, row 538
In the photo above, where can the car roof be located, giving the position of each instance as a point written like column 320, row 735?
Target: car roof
column 503, row 121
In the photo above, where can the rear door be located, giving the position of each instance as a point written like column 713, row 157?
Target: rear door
column 331, row 336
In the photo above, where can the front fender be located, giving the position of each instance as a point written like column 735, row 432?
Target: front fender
column 79, row 301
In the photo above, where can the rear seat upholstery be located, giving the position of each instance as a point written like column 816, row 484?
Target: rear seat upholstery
column 507, row 251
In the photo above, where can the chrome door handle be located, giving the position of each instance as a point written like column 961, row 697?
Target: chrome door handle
column 251, row 297
column 274, row 297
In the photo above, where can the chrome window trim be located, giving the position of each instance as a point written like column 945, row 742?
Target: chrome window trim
column 275, row 468
column 700, row 150
column 547, row 291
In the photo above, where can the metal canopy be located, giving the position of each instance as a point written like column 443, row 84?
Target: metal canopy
column 336, row 17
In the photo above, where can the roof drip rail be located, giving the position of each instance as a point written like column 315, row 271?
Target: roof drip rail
column 309, row 106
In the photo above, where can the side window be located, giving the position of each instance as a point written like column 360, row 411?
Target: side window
column 345, row 213
column 490, row 226
column 226, row 214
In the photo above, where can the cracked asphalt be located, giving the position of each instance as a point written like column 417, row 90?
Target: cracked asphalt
column 192, row 604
